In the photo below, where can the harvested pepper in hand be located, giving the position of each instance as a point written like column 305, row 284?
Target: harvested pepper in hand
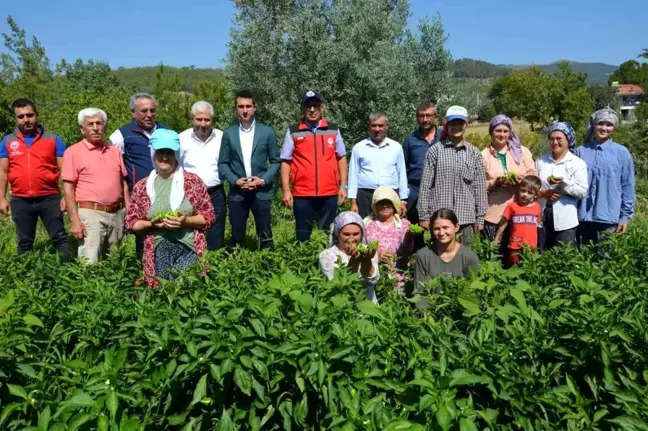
column 164, row 214
column 416, row 229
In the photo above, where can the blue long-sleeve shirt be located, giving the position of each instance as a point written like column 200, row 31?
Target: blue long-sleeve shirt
column 611, row 195
column 372, row 166
column 415, row 148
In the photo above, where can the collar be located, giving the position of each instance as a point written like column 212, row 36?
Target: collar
column 437, row 133
column 321, row 124
column 244, row 130
column 384, row 143
column 39, row 132
column 211, row 135
column 137, row 128
column 448, row 143
column 91, row 147
column 569, row 156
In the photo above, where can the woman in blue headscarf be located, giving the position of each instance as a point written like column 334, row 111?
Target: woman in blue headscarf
column 564, row 183
column 610, row 201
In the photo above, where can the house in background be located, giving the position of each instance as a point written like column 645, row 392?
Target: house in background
column 629, row 96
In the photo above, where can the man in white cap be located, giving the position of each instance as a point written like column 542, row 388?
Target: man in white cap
column 454, row 178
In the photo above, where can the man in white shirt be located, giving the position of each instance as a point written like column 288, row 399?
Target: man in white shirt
column 199, row 149
column 249, row 161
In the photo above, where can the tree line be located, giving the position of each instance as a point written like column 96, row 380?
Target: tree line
column 358, row 66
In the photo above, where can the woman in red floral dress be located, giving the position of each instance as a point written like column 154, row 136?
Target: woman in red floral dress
column 172, row 209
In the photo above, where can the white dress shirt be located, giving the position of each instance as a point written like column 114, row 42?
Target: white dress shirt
column 573, row 188
column 246, row 136
column 201, row 158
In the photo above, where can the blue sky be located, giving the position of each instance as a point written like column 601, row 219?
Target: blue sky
column 183, row 33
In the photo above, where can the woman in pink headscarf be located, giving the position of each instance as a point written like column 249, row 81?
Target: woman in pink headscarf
column 505, row 155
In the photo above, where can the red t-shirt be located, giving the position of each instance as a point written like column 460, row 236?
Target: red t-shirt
column 523, row 221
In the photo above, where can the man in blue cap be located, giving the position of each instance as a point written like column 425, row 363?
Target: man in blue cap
column 313, row 168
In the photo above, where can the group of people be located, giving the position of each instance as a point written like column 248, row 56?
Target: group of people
column 571, row 195
column 167, row 188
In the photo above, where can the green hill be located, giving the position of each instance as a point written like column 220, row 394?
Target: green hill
column 142, row 78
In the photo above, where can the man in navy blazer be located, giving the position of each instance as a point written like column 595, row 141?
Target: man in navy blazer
column 249, row 161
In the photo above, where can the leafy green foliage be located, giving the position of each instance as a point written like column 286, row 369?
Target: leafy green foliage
column 541, row 98
column 356, row 65
column 264, row 341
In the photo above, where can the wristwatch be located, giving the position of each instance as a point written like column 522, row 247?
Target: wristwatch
column 344, row 186
column 262, row 182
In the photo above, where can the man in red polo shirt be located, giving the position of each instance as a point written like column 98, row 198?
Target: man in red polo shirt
column 313, row 168
column 96, row 191
column 30, row 161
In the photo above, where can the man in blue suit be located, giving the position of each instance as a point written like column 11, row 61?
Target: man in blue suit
column 249, row 161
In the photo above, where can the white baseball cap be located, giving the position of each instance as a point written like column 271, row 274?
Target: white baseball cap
column 457, row 113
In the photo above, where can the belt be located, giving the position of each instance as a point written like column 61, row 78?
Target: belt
column 112, row 208
column 215, row 188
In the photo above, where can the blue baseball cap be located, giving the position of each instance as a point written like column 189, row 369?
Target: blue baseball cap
column 163, row 139
column 310, row 94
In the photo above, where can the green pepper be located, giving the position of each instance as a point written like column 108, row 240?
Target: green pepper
column 416, row 229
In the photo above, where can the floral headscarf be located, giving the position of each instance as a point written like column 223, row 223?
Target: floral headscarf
column 568, row 130
column 344, row 219
column 514, row 142
column 605, row 114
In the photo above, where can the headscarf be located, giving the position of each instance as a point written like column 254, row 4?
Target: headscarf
column 605, row 114
column 344, row 219
column 568, row 130
column 384, row 193
column 177, row 186
column 514, row 142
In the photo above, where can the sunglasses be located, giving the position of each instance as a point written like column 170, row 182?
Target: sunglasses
column 21, row 116
column 144, row 111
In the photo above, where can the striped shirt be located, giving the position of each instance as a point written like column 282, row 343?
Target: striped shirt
column 454, row 178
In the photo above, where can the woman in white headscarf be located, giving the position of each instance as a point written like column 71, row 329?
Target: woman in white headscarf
column 347, row 234
column 610, row 200
column 172, row 209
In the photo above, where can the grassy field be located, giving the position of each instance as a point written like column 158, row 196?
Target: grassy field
column 482, row 128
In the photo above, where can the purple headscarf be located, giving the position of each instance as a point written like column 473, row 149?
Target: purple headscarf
column 344, row 219
column 568, row 130
column 514, row 143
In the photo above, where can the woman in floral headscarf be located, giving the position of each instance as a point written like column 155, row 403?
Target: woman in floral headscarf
column 564, row 183
column 348, row 232
column 504, row 155
column 610, row 201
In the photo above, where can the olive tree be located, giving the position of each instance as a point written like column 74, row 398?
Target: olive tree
column 359, row 54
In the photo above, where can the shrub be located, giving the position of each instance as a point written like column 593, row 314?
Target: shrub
column 266, row 341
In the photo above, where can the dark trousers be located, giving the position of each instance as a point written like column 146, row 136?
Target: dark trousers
column 308, row 211
column 363, row 199
column 412, row 211
column 239, row 212
column 593, row 232
column 490, row 231
column 25, row 213
column 216, row 233
column 548, row 237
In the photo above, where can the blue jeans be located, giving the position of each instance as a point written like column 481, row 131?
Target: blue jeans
column 216, row 233
column 239, row 211
column 308, row 211
column 25, row 213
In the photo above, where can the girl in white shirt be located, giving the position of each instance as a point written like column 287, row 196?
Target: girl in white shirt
column 564, row 183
